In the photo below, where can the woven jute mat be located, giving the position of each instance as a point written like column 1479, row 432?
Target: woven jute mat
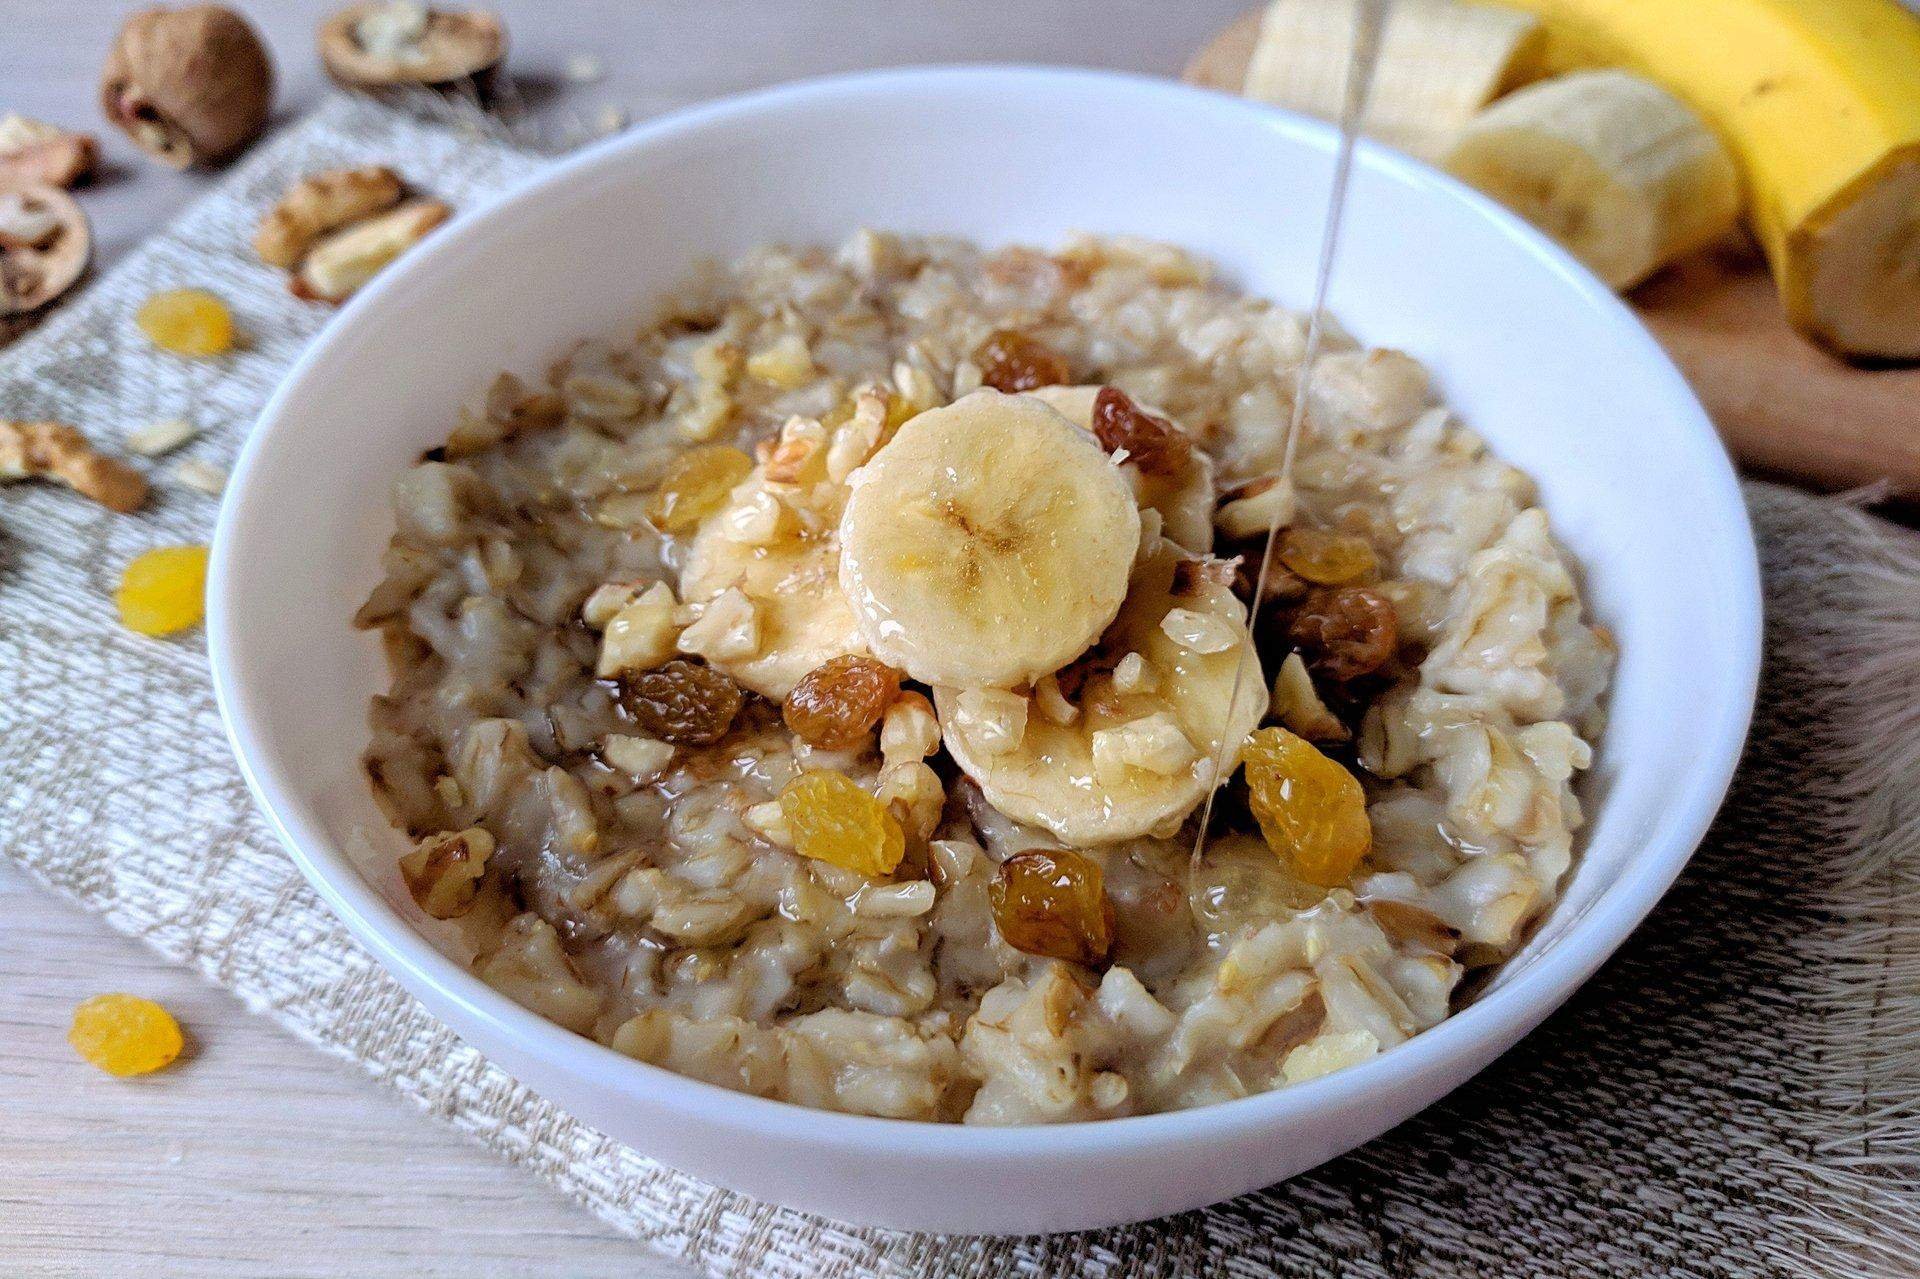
column 1735, row 1094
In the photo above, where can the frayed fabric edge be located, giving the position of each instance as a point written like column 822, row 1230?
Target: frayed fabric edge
column 1856, row 1212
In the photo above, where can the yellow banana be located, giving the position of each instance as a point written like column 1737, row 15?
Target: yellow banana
column 1819, row 101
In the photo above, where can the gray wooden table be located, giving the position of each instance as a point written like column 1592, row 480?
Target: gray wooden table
column 259, row 1157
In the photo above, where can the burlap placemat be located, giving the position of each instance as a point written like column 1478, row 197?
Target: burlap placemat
column 1735, row 1094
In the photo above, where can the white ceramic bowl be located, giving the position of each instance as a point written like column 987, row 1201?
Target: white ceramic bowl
column 1530, row 348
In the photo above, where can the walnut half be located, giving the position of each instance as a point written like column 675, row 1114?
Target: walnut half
column 56, row 451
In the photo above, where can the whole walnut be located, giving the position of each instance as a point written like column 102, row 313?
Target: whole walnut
column 189, row 86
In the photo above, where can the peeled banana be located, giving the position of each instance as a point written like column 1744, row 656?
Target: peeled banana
column 1131, row 752
column 1612, row 166
column 1440, row 61
column 1819, row 102
column 988, row 544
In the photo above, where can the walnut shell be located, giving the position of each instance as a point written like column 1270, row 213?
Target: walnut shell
column 446, row 49
column 38, row 267
column 189, row 86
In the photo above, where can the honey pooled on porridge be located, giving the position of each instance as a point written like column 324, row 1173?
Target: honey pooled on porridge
column 816, row 695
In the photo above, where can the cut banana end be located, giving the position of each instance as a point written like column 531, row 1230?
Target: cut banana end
column 988, row 544
column 1184, row 499
column 1856, row 280
column 1137, row 757
column 1820, row 102
column 1616, row 169
column 1440, row 61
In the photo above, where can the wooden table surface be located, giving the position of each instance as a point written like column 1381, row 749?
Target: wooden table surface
column 258, row 1156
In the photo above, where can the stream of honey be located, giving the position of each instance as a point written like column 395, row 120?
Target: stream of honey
column 1369, row 17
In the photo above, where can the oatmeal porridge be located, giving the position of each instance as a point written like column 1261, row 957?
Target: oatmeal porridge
column 817, row 694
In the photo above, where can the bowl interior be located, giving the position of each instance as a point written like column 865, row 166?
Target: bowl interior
column 1525, row 346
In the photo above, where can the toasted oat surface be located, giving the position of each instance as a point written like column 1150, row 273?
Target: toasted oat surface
column 644, row 893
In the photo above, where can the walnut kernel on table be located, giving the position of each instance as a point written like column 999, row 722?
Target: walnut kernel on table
column 335, row 230
column 321, row 203
column 56, row 451
column 344, row 261
column 35, row 151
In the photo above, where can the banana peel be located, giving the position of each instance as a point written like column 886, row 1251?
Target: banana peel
column 1819, row 102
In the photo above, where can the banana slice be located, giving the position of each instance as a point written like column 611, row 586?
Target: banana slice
column 988, row 544
column 1439, row 62
column 1614, row 167
column 1134, row 753
column 1183, row 496
column 777, row 541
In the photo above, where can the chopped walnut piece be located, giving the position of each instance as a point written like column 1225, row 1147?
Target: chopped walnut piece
column 56, row 451
column 443, row 873
column 1297, row 704
column 202, row 475
column 321, row 203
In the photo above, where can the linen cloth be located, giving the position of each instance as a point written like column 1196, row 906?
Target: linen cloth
column 1736, row 1094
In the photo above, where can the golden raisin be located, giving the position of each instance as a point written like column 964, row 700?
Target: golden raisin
column 125, row 1034
column 1310, row 809
column 1053, row 903
column 163, row 590
column 696, row 485
column 1327, row 558
column 1012, row 362
column 1153, row 444
column 833, row 820
column 187, row 322
column 681, row 702
column 836, row 704
column 1345, row 632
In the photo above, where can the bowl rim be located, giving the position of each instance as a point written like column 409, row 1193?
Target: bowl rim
column 1545, row 981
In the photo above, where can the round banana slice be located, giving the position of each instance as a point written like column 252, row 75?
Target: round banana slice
column 988, row 544
column 1130, row 752
column 776, row 541
column 1183, row 496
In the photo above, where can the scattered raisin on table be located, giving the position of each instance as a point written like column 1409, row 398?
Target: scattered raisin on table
column 163, row 590
column 836, row 704
column 682, row 702
column 1012, row 362
column 1312, row 812
column 125, row 1034
column 1345, row 632
column 1053, row 903
column 833, row 820
column 1153, row 444
column 191, row 322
